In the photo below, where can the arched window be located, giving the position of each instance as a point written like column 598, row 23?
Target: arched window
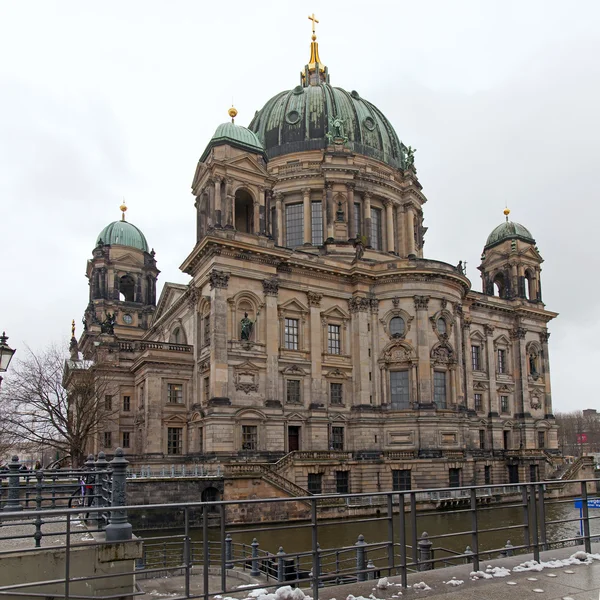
column 529, row 284
column 210, row 494
column 244, row 211
column 176, row 336
column 500, row 285
column 397, row 327
column 127, row 288
column 441, row 326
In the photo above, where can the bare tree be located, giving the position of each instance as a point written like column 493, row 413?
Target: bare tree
column 56, row 403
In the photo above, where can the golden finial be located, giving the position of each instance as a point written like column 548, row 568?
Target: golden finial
column 506, row 213
column 314, row 63
column 123, row 209
column 232, row 112
column 73, row 328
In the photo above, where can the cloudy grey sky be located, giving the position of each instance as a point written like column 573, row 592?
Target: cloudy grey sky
column 104, row 100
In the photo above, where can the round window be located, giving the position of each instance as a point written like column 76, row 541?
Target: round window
column 441, row 325
column 369, row 123
column 397, row 327
column 292, row 117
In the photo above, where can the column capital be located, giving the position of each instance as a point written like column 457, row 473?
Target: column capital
column 421, row 302
column 351, row 186
column 218, row 279
column 367, row 195
column 357, row 304
column 544, row 336
column 488, row 329
column 518, row 333
column 270, row 287
column 314, row 298
column 387, row 203
column 306, row 191
column 217, row 178
column 278, row 196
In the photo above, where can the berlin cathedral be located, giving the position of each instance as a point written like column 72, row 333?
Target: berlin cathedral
column 314, row 345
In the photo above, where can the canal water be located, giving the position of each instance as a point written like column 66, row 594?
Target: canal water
column 507, row 521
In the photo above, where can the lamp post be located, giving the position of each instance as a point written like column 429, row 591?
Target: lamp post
column 6, row 354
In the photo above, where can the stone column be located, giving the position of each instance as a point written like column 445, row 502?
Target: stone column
column 307, row 217
column 367, row 217
column 424, row 366
column 268, row 224
column 316, row 353
column 229, row 204
column 410, row 229
column 351, row 223
column 219, row 375
column 271, row 291
column 389, row 219
column 544, row 337
column 279, row 218
column 199, row 228
column 491, row 369
column 520, row 376
column 256, row 218
column 361, row 364
column 400, row 210
column 463, row 351
column 262, row 212
column 376, row 383
column 330, row 209
column 218, row 206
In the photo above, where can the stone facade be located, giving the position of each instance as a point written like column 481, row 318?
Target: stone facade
column 313, row 328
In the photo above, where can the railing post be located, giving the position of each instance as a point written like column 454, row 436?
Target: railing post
column 101, row 465
column 371, row 570
column 228, row 552
column 13, row 503
column 469, row 553
column 118, row 528
column 254, row 571
column 424, row 546
column 360, row 558
column 474, row 530
column 509, row 549
column 281, row 565
column 390, row 509
column 586, row 518
column 89, row 479
column 37, row 536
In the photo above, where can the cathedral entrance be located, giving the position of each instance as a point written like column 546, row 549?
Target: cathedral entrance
column 293, row 439
column 244, row 211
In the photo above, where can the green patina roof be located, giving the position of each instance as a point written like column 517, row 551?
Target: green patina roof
column 123, row 234
column 507, row 231
column 235, row 135
column 299, row 119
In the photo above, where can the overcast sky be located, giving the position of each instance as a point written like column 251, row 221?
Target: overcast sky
column 101, row 101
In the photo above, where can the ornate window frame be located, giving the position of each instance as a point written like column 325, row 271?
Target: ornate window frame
column 240, row 303
column 503, row 343
column 337, row 376
column 296, row 373
column 249, row 417
column 476, row 338
column 448, row 318
column 534, row 353
column 203, row 313
column 293, row 309
column 335, row 316
column 399, row 355
column 389, row 315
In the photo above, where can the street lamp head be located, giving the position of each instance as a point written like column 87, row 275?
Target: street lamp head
column 6, row 352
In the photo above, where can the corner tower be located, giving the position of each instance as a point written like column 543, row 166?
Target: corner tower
column 122, row 278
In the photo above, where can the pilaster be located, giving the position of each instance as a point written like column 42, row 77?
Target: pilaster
column 424, row 364
column 317, row 391
column 219, row 376
column 271, row 291
column 359, row 308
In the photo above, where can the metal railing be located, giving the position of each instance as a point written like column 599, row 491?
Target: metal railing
column 219, row 546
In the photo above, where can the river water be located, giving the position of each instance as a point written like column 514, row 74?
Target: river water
column 296, row 537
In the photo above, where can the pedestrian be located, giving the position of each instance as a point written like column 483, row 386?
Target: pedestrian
column 38, row 465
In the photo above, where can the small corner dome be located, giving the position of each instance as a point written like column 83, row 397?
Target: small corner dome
column 234, row 135
column 509, row 231
column 123, row 233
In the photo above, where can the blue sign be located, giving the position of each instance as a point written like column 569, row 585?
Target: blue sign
column 591, row 503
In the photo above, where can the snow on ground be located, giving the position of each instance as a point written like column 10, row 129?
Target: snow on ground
column 454, row 582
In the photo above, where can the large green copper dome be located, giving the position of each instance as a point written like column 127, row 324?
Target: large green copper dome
column 305, row 119
column 234, row 135
column 509, row 231
column 123, row 234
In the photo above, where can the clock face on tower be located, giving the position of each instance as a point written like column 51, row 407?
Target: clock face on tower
column 127, row 319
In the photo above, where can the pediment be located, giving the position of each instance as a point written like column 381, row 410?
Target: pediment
column 250, row 413
column 247, row 366
column 477, row 335
column 336, row 373
column 335, row 312
column 196, row 416
column 171, row 292
column 126, row 259
column 296, row 417
column 480, row 386
column 176, row 419
column 501, row 340
column 531, row 252
column 293, row 305
column 246, row 162
column 294, row 370
column 338, row 417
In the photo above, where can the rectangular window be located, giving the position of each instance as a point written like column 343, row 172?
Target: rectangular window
column 107, row 439
column 478, row 403
column 126, row 439
column 336, row 391
column 487, row 474
column 292, row 391
column 506, row 439
column 439, row 388
column 401, row 480
column 333, row 339
column 337, row 438
column 476, row 358
column 504, row 404
column 376, row 229
column 342, row 482
column 399, row 390
column 315, row 483
column 316, row 218
column 249, row 437
column 126, row 403
column 290, row 334
column 207, row 330
column 357, row 219
column 501, row 360
column 107, row 402
column 541, row 439
column 454, row 477
column 482, row 439
column 294, row 225
column 175, row 393
column 206, row 388
column 174, row 440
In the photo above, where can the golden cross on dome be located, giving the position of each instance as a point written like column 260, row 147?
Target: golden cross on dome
column 314, row 20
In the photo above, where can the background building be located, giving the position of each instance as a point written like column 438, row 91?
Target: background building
column 313, row 331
